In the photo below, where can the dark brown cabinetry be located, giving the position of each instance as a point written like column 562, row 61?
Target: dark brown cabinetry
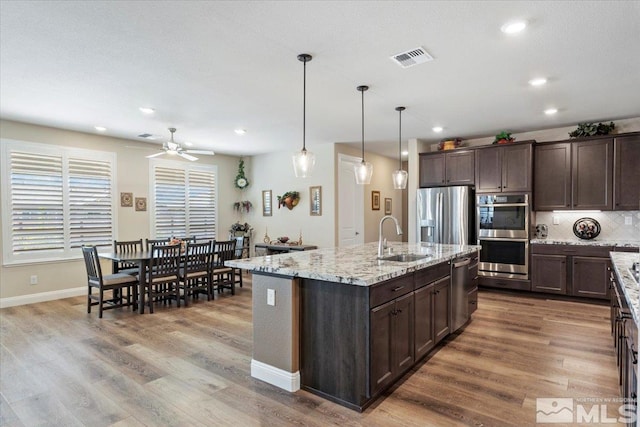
column 504, row 169
column 571, row 270
column 441, row 312
column 574, row 175
column 451, row 168
column 627, row 172
column 392, row 341
column 356, row 341
column 549, row 273
column 624, row 332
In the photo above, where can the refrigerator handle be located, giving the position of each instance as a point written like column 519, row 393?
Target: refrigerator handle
column 440, row 218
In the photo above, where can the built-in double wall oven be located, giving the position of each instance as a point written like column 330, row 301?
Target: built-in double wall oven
column 503, row 232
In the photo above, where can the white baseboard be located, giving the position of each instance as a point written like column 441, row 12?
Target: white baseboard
column 289, row 381
column 42, row 297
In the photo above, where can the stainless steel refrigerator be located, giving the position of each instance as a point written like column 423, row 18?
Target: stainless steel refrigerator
column 446, row 215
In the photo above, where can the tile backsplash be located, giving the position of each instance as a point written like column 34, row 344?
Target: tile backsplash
column 614, row 224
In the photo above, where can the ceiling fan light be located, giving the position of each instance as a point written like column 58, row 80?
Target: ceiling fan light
column 399, row 179
column 363, row 171
column 303, row 163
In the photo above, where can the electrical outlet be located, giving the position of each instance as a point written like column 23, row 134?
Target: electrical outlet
column 628, row 220
column 34, row 280
column 271, row 297
column 556, row 220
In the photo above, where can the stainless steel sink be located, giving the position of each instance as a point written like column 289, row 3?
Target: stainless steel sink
column 404, row 257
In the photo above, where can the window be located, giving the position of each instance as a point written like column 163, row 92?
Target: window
column 56, row 199
column 183, row 200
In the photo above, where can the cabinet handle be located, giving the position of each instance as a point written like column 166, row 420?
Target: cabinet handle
column 399, row 311
column 397, row 289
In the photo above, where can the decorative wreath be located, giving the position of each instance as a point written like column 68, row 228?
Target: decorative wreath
column 241, row 181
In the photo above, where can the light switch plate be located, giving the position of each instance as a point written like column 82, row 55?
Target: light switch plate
column 556, row 220
column 271, row 297
column 628, row 220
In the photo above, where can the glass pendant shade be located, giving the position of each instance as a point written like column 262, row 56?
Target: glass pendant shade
column 399, row 176
column 303, row 162
column 364, row 171
column 399, row 179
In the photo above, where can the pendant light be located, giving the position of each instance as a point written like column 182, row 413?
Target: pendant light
column 399, row 176
column 303, row 160
column 363, row 170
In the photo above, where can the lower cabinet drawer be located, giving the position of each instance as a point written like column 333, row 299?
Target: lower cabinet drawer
column 389, row 290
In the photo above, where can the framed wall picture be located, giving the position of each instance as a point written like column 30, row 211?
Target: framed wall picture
column 141, row 204
column 387, row 206
column 315, row 197
column 126, row 200
column 375, row 200
column 267, row 205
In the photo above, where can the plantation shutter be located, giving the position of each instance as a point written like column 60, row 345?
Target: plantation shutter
column 36, row 200
column 90, row 203
column 184, row 200
column 170, row 202
column 201, row 204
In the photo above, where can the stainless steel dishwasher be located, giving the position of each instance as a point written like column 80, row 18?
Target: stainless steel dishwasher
column 459, row 292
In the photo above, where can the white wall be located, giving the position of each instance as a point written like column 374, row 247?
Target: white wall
column 133, row 176
column 274, row 172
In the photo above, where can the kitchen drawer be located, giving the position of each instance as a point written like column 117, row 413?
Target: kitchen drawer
column 389, row 290
column 431, row 274
column 580, row 250
column 473, row 300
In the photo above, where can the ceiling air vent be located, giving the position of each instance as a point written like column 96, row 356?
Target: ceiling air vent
column 147, row 136
column 412, row 57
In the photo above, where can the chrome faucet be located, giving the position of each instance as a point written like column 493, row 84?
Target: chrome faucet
column 381, row 244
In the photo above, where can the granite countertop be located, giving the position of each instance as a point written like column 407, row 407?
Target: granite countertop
column 622, row 262
column 594, row 242
column 353, row 265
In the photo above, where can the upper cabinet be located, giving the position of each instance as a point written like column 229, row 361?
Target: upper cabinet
column 626, row 195
column 504, row 169
column 447, row 168
column 574, row 175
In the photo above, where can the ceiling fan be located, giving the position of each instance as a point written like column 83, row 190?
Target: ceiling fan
column 173, row 148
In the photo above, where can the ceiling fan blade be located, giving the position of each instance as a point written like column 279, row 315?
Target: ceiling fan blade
column 187, row 156
column 151, row 156
column 203, row 152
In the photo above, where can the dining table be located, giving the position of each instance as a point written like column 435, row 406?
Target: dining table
column 142, row 259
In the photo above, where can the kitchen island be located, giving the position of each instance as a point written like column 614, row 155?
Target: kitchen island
column 342, row 324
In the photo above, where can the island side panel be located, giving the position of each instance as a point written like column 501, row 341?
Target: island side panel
column 276, row 331
column 334, row 331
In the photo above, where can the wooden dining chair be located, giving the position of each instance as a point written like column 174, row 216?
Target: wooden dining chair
column 126, row 246
column 116, row 282
column 223, row 276
column 240, row 250
column 158, row 242
column 195, row 273
column 163, row 277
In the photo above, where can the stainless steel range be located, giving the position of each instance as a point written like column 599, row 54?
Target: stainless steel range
column 503, row 232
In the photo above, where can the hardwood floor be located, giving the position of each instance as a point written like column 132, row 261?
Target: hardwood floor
column 191, row 367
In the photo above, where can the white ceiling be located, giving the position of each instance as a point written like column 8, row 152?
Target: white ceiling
column 211, row 67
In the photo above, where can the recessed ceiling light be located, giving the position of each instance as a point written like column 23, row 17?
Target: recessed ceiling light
column 405, row 153
column 538, row 81
column 240, row 131
column 437, row 129
column 550, row 111
column 100, row 128
column 513, row 27
column 147, row 110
